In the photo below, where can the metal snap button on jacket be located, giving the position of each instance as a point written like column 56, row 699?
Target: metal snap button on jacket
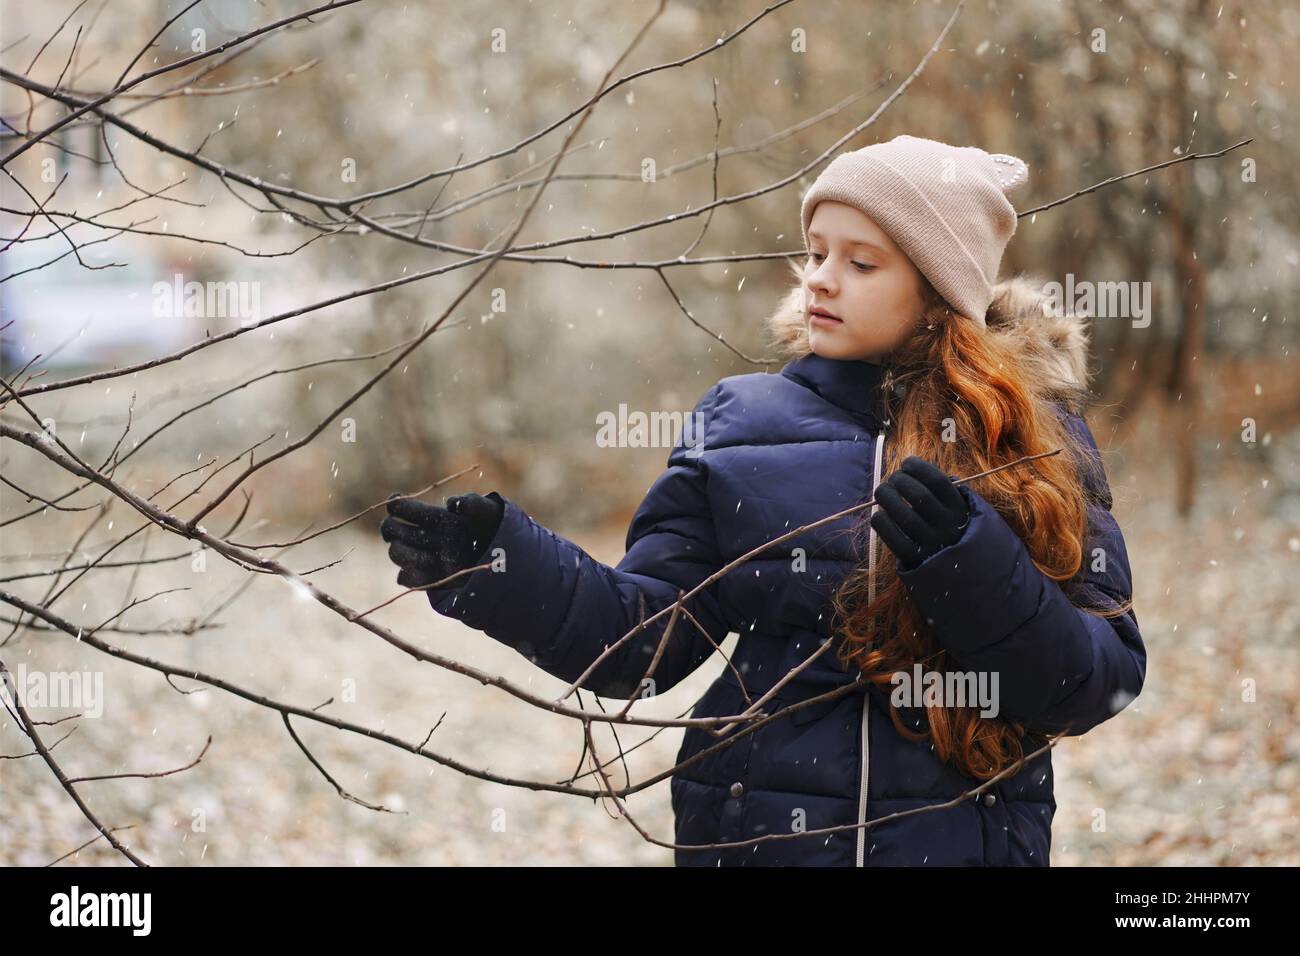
column 989, row 799
column 737, row 789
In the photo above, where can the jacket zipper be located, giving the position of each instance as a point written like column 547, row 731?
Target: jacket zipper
column 866, row 702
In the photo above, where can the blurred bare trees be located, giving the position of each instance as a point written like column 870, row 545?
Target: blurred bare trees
column 439, row 242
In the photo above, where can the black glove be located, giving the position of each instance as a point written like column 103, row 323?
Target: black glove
column 921, row 511
column 430, row 543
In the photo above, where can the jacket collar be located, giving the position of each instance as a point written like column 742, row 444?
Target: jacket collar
column 853, row 385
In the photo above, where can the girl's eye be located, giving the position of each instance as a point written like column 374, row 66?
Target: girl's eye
column 818, row 257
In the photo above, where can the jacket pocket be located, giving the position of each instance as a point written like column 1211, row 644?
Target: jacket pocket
column 943, row 836
column 721, row 698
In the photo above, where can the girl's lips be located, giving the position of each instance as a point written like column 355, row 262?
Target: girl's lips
column 819, row 319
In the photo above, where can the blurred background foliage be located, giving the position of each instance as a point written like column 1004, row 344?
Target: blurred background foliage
column 1082, row 91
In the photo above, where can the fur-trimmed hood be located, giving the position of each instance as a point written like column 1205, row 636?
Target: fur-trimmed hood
column 1055, row 346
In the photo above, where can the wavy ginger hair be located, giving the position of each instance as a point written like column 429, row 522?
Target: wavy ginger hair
column 998, row 385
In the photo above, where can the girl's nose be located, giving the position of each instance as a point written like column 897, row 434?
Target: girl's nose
column 820, row 280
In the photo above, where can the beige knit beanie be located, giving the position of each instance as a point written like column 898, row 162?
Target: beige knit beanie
column 945, row 207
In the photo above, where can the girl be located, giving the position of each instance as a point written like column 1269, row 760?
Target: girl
column 907, row 368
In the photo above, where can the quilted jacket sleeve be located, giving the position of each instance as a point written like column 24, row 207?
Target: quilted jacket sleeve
column 1059, row 667
column 549, row 600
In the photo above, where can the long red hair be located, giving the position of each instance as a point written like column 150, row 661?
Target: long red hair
column 997, row 385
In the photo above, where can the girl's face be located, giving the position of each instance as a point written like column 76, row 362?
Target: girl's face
column 857, row 274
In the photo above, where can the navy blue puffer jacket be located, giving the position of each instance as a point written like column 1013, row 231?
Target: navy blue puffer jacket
column 781, row 451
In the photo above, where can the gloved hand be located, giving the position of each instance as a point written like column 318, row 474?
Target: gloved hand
column 430, row 543
column 921, row 511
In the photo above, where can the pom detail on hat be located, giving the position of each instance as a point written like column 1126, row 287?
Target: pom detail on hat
column 1011, row 171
